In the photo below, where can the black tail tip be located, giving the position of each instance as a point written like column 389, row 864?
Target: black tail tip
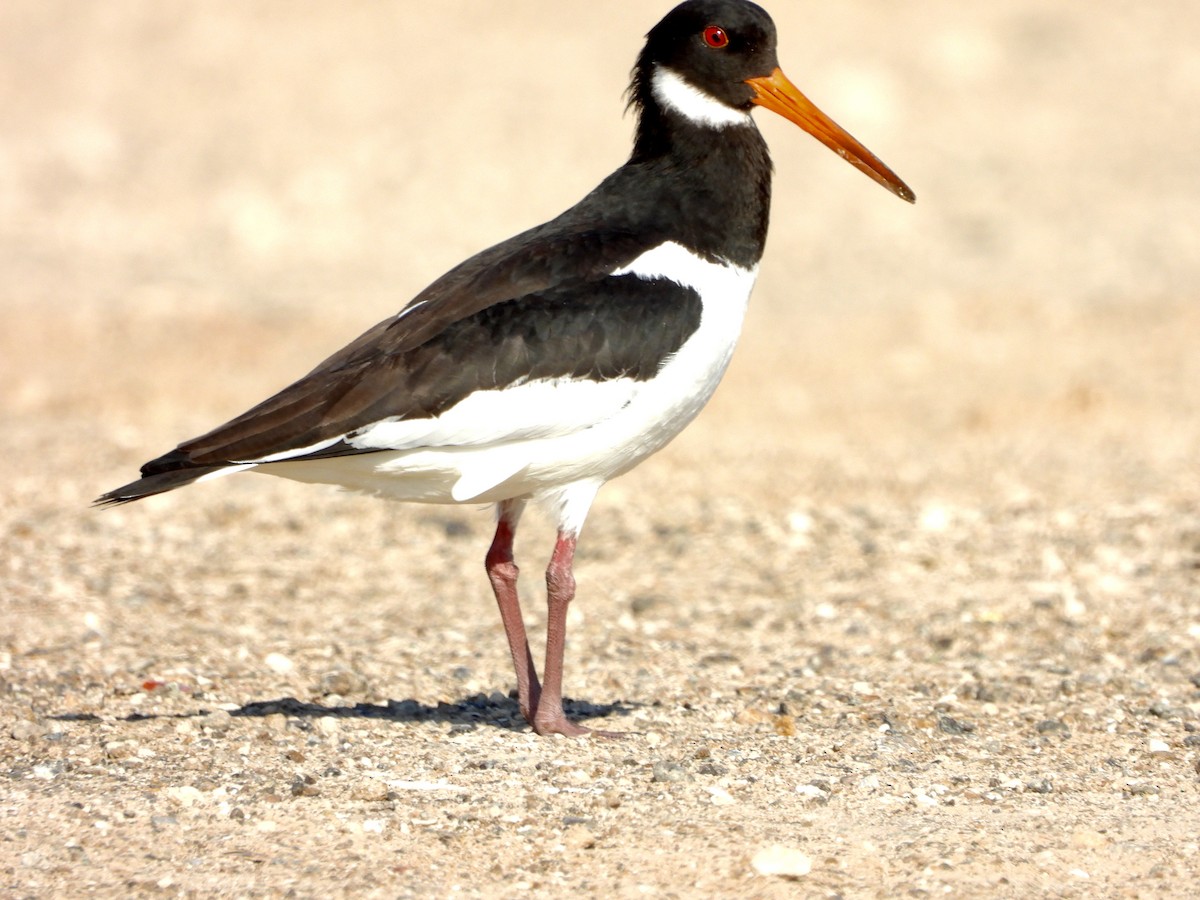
column 149, row 485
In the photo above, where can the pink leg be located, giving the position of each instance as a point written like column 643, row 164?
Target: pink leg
column 502, row 572
column 560, row 590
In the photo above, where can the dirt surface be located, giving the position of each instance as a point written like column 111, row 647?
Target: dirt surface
column 916, row 601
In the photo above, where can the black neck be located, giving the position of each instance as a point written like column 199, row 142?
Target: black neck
column 717, row 182
column 708, row 189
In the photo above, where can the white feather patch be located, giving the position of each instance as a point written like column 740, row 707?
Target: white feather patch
column 291, row 454
column 221, row 473
column 533, row 409
column 675, row 92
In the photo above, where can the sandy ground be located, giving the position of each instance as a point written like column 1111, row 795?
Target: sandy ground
column 917, row 599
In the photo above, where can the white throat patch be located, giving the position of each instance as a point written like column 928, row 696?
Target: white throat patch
column 674, row 92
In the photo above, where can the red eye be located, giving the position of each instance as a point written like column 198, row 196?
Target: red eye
column 715, row 37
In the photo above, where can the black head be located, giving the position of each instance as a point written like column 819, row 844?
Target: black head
column 713, row 45
column 709, row 62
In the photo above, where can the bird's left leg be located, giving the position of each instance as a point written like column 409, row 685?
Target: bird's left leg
column 574, row 502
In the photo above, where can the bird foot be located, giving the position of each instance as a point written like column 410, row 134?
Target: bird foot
column 560, row 724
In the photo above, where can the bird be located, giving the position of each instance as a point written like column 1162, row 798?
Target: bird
column 554, row 361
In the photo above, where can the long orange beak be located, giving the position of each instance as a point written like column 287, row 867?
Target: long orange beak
column 779, row 95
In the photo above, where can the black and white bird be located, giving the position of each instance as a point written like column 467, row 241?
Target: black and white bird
column 546, row 365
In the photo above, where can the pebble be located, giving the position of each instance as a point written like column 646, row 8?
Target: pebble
column 720, row 796
column 28, row 730
column 370, row 789
column 954, row 726
column 786, row 862
column 120, row 749
column 578, row 837
column 1141, row 789
column 1159, row 747
column 923, row 799
column 305, row 787
column 665, row 771
column 184, row 794
column 219, row 721
column 343, row 682
column 278, row 663
column 1087, row 839
column 812, row 793
column 610, row 799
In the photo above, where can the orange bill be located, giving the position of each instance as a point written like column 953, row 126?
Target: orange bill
column 778, row 94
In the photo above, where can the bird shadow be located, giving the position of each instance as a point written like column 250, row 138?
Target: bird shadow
column 465, row 714
column 462, row 715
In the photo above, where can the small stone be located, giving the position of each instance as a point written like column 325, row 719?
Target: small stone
column 1041, row 786
column 752, row 715
column 611, row 799
column 219, row 720
column 578, row 837
column 184, row 794
column 786, row 862
column 305, row 786
column 343, row 682
column 278, row 663
column 1164, row 710
column 813, row 794
column 28, row 730
column 954, row 726
column 120, row 749
column 1159, row 747
column 1052, row 726
column 665, row 771
column 720, row 796
column 1141, row 789
column 1087, row 839
column 370, row 790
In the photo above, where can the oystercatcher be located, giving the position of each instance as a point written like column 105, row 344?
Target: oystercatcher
column 546, row 365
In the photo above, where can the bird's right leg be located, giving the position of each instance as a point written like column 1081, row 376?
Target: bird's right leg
column 502, row 572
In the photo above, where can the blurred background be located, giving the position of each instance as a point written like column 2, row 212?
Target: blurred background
column 952, row 476
column 303, row 168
